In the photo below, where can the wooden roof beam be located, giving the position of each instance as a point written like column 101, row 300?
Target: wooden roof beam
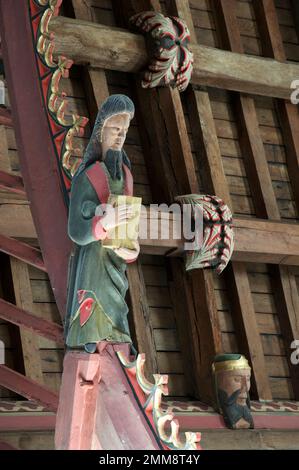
column 22, row 318
column 5, row 117
column 116, row 49
column 257, row 240
column 22, row 251
column 27, row 388
column 12, row 183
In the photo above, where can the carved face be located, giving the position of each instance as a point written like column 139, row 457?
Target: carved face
column 114, row 132
column 233, row 380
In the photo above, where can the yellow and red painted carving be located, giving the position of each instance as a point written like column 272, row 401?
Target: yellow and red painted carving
column 149, row 396
column 50, row 72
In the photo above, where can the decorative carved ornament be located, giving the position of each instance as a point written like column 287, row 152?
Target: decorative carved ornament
column 168, row 38
column 63, row 128
column 149, row 396
column 217, row 245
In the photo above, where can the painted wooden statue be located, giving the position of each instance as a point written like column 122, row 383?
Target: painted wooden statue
column 232, row 384
column 96, row 308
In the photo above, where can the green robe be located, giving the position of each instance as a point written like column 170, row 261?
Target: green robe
column 95, row 271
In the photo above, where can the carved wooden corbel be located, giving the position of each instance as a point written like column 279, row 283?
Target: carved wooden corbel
column 171, row 61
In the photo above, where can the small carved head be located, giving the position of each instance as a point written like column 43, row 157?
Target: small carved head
column 232, row 384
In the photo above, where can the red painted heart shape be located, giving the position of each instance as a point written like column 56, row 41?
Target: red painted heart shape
column 85, row 310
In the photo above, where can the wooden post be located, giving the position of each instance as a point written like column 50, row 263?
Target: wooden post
column 237, row 280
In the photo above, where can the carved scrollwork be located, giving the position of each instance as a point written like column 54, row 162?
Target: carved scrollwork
column 168, row 38
column 150, row 397
column 51, row 71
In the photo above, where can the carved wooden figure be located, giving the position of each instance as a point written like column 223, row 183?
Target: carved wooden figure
column 232, row 384
column 96, row 307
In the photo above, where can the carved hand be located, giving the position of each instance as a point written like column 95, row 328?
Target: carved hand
column 114, row 216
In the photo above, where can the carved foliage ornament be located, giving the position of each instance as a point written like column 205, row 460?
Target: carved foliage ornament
column 218, row 236
column 168, row 38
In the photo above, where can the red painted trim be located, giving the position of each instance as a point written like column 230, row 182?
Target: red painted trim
column 194, row 422
column 98, row 230
column 6, row 446
column 22, row 251
column 27, row 423
column 17, row 316
column 12, row 183
column 99, row 182
column 5, row 117
column 128, row 181
column 37, row 153
column 28, row 388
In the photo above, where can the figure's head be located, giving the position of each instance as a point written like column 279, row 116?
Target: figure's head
column 109, row 131
column 113, row 134
column 232, row 383
column 232, row 374
column 113, row 121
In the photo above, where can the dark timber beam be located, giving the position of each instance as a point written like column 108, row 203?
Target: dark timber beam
column 117, row 49
column 20, row 317
column 28, row 388
column 35, row 145
column 12, row 183
column 22, row 251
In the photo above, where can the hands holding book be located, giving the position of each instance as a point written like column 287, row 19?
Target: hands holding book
column 113, row 217
column 124, row 242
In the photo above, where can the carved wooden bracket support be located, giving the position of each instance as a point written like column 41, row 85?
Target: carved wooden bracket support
column 213, row 232
column 168, row 38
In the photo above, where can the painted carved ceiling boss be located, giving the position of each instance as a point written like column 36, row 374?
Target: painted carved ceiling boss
column 96, row 307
